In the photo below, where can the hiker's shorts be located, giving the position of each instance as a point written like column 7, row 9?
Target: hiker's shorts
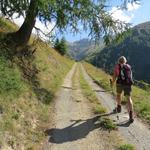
column 124, row 88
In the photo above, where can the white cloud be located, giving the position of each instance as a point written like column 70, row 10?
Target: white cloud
column 17, row 20
column 45, row 29
column 125, row 15
column 133, row 6
column 121, row 15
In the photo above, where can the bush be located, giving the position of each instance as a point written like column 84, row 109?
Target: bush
column 107, row 124
column 126, row 147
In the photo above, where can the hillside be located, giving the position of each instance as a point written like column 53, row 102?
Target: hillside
column 83, row 48
column 135, row 47
column 29, row 78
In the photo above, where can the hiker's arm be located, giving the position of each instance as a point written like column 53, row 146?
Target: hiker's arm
column 114, row 77
column 112, row 80
column 115, row 74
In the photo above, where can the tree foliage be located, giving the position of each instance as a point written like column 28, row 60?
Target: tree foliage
column 93, row 15
column 61, row 46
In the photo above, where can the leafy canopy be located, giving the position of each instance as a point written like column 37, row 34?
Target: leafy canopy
column 92, row 14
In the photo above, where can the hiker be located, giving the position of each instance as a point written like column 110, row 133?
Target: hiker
column 123, row 78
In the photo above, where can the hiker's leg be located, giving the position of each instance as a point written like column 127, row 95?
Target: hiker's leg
column 127, row 93
column 119, row 90
column 130, row 103
column 118, row 98
column 130, row 109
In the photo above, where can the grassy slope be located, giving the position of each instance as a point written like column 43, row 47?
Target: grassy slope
column 141, row 98
column 27, row 86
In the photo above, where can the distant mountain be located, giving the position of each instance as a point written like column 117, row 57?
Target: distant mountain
column 135, row 47
column 82, row 48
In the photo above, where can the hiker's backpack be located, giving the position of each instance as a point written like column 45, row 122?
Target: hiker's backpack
column 125, row 75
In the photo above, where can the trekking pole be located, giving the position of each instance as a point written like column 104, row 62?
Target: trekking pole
column 111, row 85
column 113, row 93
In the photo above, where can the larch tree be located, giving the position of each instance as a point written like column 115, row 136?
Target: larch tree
column 92, row 14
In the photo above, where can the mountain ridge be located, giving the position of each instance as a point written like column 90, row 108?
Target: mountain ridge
column 135, row 47
column 80, row 49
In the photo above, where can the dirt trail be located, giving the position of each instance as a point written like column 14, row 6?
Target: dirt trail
column 74, row 126
column 136, row 133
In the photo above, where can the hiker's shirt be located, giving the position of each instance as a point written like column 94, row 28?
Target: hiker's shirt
column 116, row 70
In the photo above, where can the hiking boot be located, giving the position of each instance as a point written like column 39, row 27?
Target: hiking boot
column 131, row 118
column 118, row 108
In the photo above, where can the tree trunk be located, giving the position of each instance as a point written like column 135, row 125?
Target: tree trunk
column 22, row 36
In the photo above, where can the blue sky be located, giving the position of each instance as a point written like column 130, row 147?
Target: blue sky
column 143, row 13
column 134, row 15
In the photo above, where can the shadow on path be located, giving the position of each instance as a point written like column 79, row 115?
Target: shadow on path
column 124, row 124
column 77, row 130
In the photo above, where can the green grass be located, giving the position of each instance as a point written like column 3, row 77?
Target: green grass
column 99, row 76
column 98, row 109
column 6, row 25
column 90, row 95
column 107, row 124
column 11, row 83
column 140, row 97
column 126, row 147
column 27, row 86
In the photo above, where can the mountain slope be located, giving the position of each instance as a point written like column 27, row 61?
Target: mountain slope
column 135, row 47
column 29, row 79
column 83, row 48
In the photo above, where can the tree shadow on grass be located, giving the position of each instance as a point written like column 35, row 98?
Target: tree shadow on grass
column 30, row 73
column 24, row 58
column 43, row 95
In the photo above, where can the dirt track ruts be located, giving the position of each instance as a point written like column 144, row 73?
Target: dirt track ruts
column 74, row 126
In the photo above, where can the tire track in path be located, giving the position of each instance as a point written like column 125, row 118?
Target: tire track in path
column 74, row 126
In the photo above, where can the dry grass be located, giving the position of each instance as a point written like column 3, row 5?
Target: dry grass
column 25, row 114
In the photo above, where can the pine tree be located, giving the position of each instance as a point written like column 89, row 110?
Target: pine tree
column 61, row 46
column 57, row 44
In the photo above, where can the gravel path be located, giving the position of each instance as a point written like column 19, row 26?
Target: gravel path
column 74, row 126
column 136, row 133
